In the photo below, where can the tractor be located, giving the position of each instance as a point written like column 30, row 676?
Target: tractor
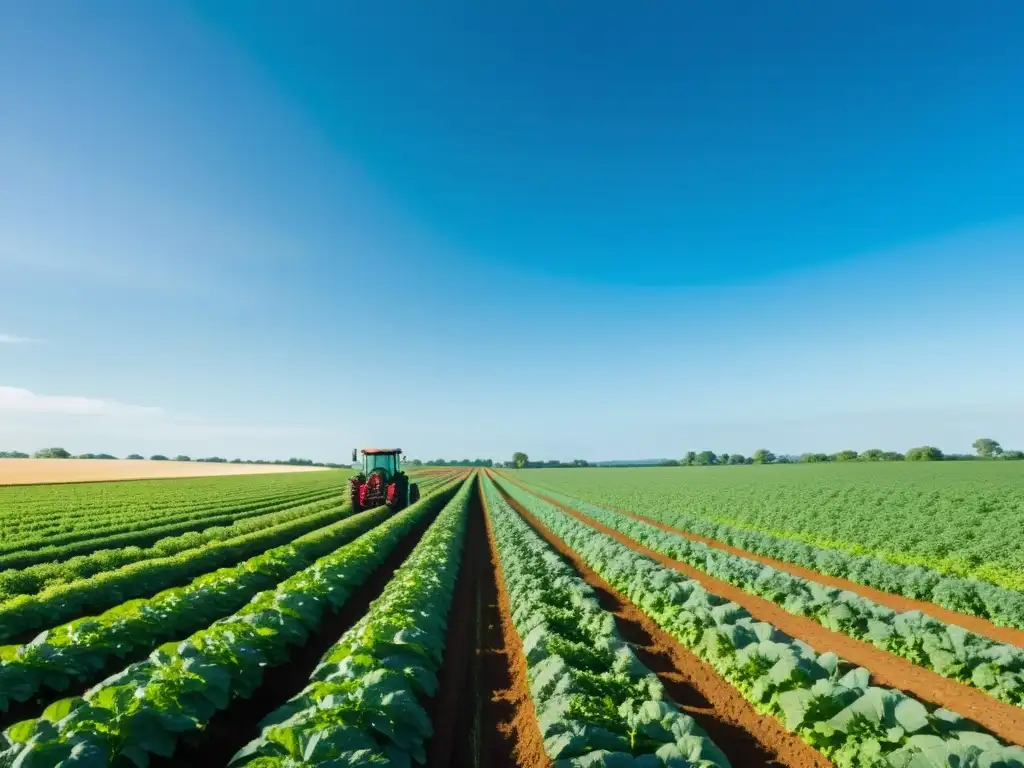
column 381, row 481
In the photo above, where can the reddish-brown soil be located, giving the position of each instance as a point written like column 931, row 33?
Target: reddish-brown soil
column 509, row 734
column 453, row 710
column 1003, row 720
column 747, row 737
column 896, row 602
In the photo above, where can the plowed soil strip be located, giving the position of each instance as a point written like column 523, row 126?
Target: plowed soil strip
column 509, row 735
column 452, row 711
column 747, row 737
column 233, row 728
column 1003, row 720
column 896, row 602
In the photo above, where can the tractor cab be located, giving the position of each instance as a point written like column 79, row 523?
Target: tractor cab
column 383, row 459
column 381, row 481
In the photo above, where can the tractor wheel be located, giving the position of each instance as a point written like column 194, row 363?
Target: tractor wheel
column 398, row 492
column 414, row 493
column 353, row 491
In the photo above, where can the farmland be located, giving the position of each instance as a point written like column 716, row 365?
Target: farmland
column 31, row 471
column 796, row 616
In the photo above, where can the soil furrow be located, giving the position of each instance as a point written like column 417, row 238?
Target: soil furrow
column 509, row 736
column 452, row 710
column 233, row 728
column 887, row 670
column 747, row 737
column 896, row 602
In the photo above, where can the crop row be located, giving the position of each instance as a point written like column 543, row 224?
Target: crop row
column 829, row 705
column 595, row 702
column 75, row 506
column 80, row 650
column 145, row 709
column 951, row 651
column 63, row 569
column 1002, row 606
column 131, row 530
column 887, row 511
column 105, row 590
column 364, row 703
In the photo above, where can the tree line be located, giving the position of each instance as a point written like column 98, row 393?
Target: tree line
column 61, row 453
column 984, row 448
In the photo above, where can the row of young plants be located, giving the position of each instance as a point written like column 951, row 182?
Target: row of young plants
column 63, row 602
column 829, row 704
column 63, row 569
column 951, row 651
column 140, row 527
column 1001, row 605
column 596, row 703
column 79, row 651
column 365, row 701
column 144, row 710
column 36, row 578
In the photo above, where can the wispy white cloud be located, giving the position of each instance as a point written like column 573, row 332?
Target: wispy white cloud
column 10, row 338
column 18, row 400
column 93, row 420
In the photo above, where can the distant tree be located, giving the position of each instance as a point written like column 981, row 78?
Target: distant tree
column 764, row 456
column 784, row 460
column 1012, row 455
column 670, row 463
column 706, row 458
column 813, row 458
column 520, row 459
column 158, row 457
column 924, row 453
column 737, row 458
column 723, row 458
column 893, row 456
column 872, row 454
column 986, row 447
column 690, row 459
column 133, row 457
column 182, row 457
column 13, row 455
column 846, row 455
column 52, row 453
column 95, row 456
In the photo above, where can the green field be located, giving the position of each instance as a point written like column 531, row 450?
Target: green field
column 962, row 518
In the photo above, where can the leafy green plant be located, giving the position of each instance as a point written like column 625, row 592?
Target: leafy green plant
column 145, row 708
column 951, row 651
column 365, row 700
column 830, row 705
column 596, row 703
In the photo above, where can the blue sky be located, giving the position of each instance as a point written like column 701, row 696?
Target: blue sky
column 574, row 229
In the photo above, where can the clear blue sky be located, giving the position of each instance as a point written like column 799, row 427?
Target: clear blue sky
column 576, row 229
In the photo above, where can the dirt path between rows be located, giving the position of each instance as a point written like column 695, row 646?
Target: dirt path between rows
column 510, row 737
column 452, row 710
column 747, row 737
column 887, row 670
column 896, row 602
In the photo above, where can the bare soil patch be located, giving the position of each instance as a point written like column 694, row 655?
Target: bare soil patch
column 45, row 471
column 1003, row 720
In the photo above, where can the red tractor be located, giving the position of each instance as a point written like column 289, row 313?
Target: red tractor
column 381, row 481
